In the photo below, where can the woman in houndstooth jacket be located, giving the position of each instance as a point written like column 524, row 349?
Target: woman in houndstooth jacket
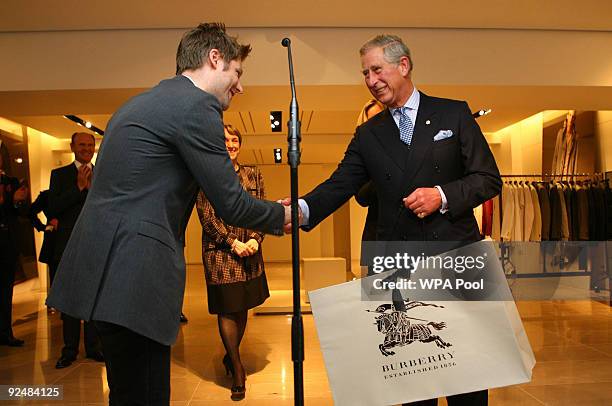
column 233, row 265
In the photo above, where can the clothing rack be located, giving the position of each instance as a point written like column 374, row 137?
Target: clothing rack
column 553, row 175
column 505, row 247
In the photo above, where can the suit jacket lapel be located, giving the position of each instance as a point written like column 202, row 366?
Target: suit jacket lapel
column 388, row 134
column 422, row 139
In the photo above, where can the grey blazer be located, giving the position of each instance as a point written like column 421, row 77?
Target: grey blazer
column 124, row 263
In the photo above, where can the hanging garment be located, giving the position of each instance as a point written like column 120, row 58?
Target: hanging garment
column 555, row 214
column 507, row 226
column 564, row 158
column 478, row 216
column 608, row 208
column 572, row 211
column 487, row 217
column 536, row 230
column 582, row 204
column 519, row 212
column 496, row 224
column 565, row 234
column 544, row 201
column 529, row 214
column 597, row 221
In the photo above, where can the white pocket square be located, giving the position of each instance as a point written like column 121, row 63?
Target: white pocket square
column 443, row 134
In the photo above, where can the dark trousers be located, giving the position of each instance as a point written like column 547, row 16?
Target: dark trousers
column 137, row 368
column 8, row 263
column 71, row 329
column 480, row 398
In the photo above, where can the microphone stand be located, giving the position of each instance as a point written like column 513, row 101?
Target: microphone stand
column 293, row 154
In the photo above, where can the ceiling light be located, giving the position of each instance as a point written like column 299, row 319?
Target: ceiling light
column 480, row 113
column 79, row 121
column 278, row 155
column 276, row 118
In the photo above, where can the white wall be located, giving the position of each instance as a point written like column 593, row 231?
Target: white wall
column 107, row 59
column 603, row 136
column 520, row 149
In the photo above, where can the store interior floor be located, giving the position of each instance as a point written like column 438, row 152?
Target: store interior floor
column 572, row 342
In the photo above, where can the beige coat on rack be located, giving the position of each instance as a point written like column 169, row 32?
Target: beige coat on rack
column 528, row 212
column 519, row 212
column 536, row 230
column 507, row 227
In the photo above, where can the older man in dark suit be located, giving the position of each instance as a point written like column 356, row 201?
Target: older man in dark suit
column 67, row 193
column 426, row 156
column 124, row 266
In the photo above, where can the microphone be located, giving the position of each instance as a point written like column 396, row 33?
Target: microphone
column 293, row 136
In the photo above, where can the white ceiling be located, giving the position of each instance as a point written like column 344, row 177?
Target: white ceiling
column 45, row 15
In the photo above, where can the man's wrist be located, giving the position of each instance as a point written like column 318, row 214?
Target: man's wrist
column 444, row 203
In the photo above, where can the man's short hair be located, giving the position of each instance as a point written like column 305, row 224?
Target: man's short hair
column 197, row 43
column 77, row 133
column 393, row 48
column 231, row 130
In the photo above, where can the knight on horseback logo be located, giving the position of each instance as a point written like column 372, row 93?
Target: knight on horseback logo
column 400, row 329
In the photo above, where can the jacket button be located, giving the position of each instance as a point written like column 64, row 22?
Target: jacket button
column 405, row 237
column 434, row 235
column 437, row 168
column 388, row 176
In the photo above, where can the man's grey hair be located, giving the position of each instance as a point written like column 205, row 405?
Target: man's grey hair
column 393, row 48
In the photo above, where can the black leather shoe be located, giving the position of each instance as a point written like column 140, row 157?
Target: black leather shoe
column 238, row 392
column 64, row 362
column 183, row 319
column 96, row 356
column 11, row 342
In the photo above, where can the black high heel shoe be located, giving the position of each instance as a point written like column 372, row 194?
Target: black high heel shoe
column 238, row 392
column 227, row 363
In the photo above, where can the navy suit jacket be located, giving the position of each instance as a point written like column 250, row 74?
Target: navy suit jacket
column 462, row 165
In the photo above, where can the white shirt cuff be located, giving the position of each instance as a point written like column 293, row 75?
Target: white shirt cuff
column 444, row 207
column 305, row 211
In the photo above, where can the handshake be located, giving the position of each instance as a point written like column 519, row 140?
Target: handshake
column 287, row 203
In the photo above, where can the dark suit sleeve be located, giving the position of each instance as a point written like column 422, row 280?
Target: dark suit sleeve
column 481, row 180
column 202, row 146
column 63, row 193
column 366, row 195
column 346, row 180
column 37, row 206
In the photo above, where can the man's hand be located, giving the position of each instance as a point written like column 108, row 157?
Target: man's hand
column 241, row 249
column 83, row 177
column 423, row 201
column 52, row 225
column 253, row 245
column 89, row 178
column 20, row 194
column 287, row 203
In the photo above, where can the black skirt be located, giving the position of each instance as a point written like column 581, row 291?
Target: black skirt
column 237, row 296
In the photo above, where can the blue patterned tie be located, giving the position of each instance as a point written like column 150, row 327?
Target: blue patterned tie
column 405, row 125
